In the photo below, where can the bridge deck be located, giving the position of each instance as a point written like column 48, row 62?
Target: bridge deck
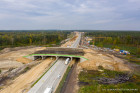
column 62, row 51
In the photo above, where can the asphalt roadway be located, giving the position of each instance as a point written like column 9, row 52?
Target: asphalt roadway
column 51, row 79
column 77, row 41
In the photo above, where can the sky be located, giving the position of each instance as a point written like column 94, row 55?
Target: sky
column 70, row 14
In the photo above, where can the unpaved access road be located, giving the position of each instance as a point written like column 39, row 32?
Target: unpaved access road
column 72, row 83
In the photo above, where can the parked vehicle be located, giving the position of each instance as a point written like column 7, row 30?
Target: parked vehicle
column 117, row 50
column 124, row 52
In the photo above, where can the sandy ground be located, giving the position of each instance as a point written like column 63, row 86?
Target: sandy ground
column 107, row 61
column 22, row 83
column 13, row 55
column 23, row 60
column 12, row 59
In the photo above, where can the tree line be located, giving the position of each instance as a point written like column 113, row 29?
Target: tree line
column 26, row 38
column 129, row 40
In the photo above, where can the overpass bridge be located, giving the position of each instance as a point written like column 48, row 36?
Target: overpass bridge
column 58, row 52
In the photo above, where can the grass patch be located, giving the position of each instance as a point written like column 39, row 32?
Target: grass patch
column 58, row 90
column 91, row 77
column 133, row 59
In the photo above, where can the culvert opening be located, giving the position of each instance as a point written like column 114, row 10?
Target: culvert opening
column 49, row 57
column 65, row 57
column 76, row 59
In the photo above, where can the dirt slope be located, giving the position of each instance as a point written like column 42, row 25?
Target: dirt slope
column 107, row 61
column 22, row 83
column 9, row 59
column 23, row 60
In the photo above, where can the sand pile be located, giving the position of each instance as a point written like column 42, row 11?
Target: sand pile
column 23, row 60
column 106, row 61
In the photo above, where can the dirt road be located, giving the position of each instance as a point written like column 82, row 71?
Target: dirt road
column 72, row 86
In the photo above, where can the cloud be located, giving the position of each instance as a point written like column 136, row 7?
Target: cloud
column 69, row 14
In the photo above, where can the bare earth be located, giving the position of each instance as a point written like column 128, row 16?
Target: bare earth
column 23, row 60
column 107, row 61
column 22, row 83
column 14, row 59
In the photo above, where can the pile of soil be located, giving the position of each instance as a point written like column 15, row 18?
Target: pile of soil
column 24, row 60
column 105, row 60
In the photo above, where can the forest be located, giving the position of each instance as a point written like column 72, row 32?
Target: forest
column 125, row 40
column 27, row 38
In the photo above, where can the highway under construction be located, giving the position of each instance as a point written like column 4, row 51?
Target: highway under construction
column 42, row 69
column 50, row 79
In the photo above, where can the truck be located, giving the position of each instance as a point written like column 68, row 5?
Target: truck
column 48, row 90
column 67, row 61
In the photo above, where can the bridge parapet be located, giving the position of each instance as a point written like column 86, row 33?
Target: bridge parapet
column 62, row 51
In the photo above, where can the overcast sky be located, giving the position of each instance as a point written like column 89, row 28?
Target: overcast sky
column 70, row 14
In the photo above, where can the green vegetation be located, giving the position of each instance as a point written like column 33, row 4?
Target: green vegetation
column 125, row 40
column 58, row 90
column 0, row 70
column 88, row 81
column 133, row 59
column 27, row 38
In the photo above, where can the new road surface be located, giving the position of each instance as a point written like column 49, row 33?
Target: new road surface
column 53, row 76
